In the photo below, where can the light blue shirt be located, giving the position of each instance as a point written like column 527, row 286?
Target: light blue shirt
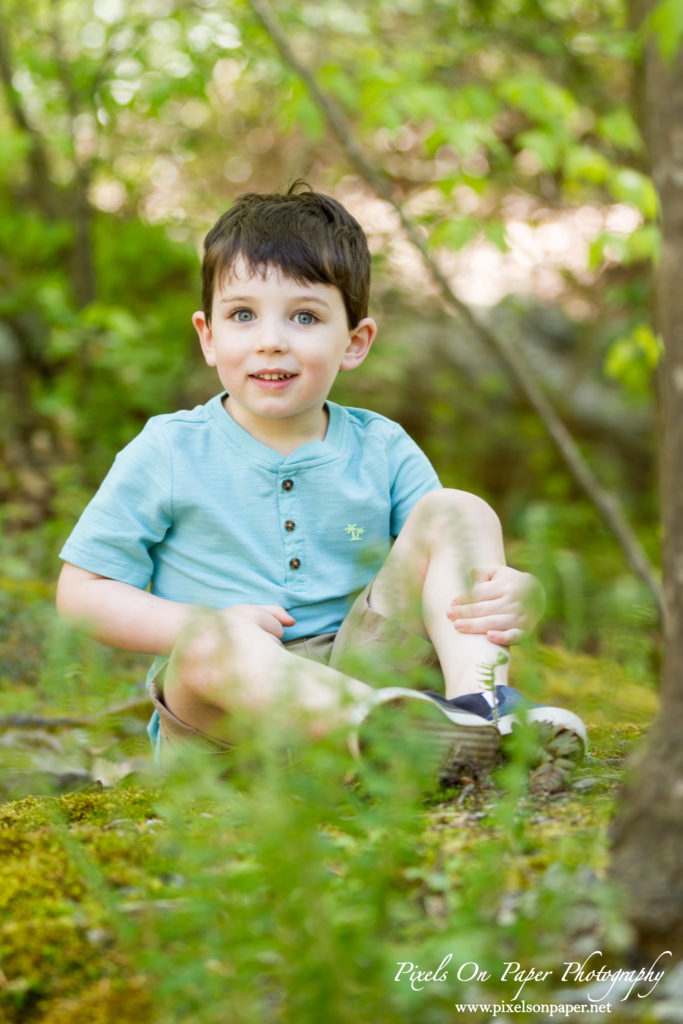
column 201, row 512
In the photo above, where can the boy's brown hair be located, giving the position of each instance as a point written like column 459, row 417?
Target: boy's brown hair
column 308, row 236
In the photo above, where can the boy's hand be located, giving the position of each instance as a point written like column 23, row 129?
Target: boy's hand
column 270, row 617
column 503, row 603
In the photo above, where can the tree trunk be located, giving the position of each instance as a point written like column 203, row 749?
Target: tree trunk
column 648, row 835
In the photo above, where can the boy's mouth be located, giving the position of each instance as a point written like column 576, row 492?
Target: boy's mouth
column 272, row 376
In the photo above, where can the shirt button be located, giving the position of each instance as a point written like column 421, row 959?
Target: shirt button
column 289, row 525
column 287, row 485
column 294, row 563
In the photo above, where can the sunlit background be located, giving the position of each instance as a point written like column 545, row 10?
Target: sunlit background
column 507, row 132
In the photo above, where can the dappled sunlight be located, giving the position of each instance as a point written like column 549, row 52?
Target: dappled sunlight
column 545, row 249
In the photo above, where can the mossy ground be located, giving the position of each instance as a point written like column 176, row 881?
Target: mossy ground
column 286, row 894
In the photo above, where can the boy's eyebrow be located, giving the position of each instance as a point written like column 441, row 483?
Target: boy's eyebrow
column 307, row 298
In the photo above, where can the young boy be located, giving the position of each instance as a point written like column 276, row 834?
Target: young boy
column 254, row 543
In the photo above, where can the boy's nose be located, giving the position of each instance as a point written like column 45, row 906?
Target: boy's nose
column 271, row 338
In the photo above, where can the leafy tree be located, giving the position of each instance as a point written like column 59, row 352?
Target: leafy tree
column 127, row 128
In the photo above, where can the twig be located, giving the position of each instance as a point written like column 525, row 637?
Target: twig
column 143, row 906
column 38, row 158
column 18, row 720
column 83, row 268
column 606, row 503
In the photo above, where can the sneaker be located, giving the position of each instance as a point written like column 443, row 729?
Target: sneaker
column 447, row 740
column 508, row 708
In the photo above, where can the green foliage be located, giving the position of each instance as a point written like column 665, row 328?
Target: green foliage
column 633, row 359
column 145, row 122
column 281, row 892
column 665, row 22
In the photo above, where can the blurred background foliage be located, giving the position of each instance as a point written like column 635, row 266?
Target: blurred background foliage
column 508, row 131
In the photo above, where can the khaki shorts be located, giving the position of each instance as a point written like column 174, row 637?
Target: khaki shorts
column 364, row 636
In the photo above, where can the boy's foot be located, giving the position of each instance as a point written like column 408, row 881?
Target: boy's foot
column 506, row 708
column 398, row 722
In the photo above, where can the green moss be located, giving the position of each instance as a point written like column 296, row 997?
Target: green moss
column 97, row 805
column 57, row 948
column 586, row 683
column 106, row 1001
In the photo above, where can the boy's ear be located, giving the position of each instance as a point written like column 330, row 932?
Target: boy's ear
column 360, row 340
column 203, row 329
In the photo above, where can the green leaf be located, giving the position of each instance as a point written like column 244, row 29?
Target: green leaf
column 539, row 97
column 582, row 163
column 14, row 149
column 666, row 23
column 607, row 246
column 633, row 187
column 642, row 245
column 475, row 101
column 342, row 86
column 619, row 128
column 302, row 112
column 548, row 148
column 495, row 232
column 632, row 358
column 467, row 137
column 455, row 233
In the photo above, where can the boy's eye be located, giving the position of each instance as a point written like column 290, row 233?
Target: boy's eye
column 305, row 318
column 243, row 316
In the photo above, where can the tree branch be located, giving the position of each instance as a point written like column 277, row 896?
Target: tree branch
column 42, row 187
column 83, row 264
column 606, row 503
column 18, row 720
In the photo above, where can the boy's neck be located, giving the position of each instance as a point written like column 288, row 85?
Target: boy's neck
column 282, row 435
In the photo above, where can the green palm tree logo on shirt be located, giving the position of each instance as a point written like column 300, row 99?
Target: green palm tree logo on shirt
column 355, row 532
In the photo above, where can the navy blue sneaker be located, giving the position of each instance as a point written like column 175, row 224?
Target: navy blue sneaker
column 506, row 707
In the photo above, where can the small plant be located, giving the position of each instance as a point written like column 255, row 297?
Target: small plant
column 487, row 679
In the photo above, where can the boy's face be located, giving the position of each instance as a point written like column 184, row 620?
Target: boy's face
column 278, row 346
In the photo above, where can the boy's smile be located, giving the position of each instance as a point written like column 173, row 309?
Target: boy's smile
column 278, row 345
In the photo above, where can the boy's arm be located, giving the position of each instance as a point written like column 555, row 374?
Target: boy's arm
column 503, row 603
column 124, row 616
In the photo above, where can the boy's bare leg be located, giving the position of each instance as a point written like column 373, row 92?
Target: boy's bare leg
column 447, row 535
column 229, row 664
column 224, row 665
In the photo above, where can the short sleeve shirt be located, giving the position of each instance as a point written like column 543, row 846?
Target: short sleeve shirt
column 201, row 512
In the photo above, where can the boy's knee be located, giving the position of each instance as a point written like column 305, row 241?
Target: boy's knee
column 215, row 651
column 201, row 644
column 197, row 659
column 449, row 508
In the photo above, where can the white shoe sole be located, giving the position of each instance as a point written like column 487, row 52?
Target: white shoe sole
column 459, row 738
column 558, row 717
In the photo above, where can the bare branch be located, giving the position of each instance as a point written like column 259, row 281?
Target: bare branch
column 18, row 720
column 42, row 187
column 83, row 264
column 606, row 503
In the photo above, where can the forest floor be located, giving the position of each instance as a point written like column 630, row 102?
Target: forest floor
column 283, row 892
